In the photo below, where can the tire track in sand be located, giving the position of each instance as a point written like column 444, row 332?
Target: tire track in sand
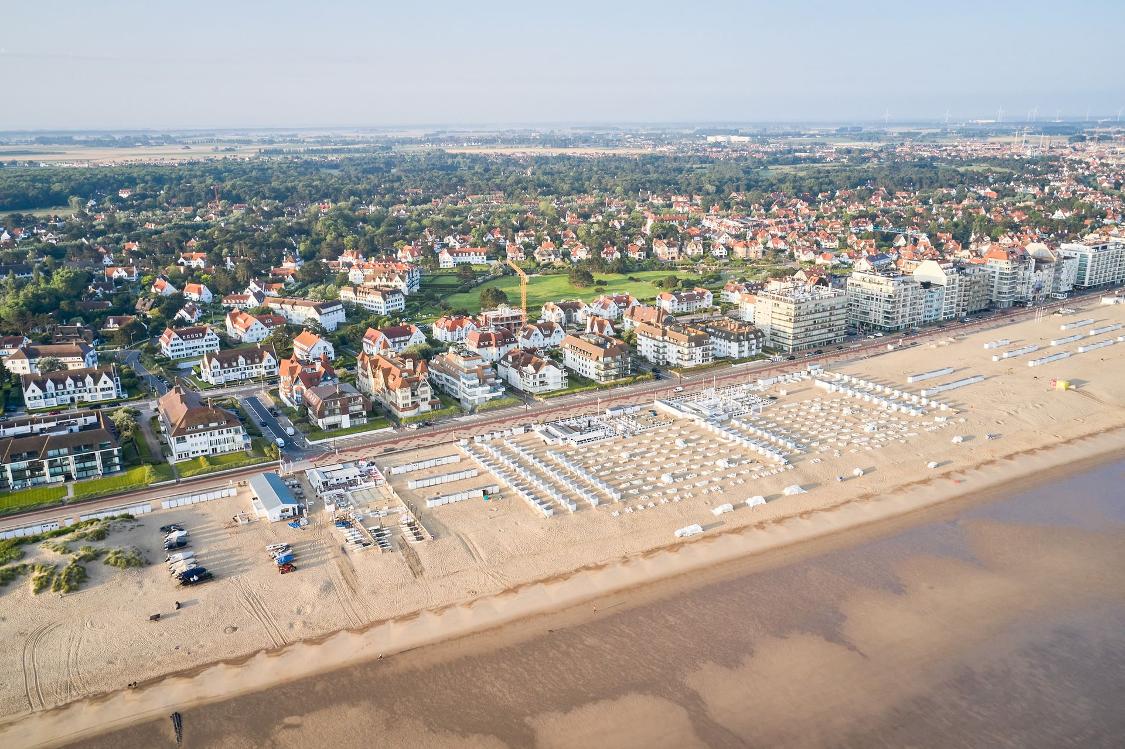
column 32, row 687
column 254, row 606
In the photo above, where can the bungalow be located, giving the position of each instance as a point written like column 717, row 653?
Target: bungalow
column 308, row 346
column 190, row 342
column 392, row 338
column 237, row 365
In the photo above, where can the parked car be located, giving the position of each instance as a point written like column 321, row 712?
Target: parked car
column 166, row 529
column 179, row 543
column 195, row 576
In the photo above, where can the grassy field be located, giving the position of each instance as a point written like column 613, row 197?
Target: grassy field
column 378, row 422
column 134, row 478
column 226, row 461
column 543, row 289
column 27, row 498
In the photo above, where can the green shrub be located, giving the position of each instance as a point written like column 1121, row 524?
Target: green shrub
column 59, row 547
column 8, row 574
column 10, row 550
column 42, row 576
column 87, row 553
column 70, row 579
column 123, row 558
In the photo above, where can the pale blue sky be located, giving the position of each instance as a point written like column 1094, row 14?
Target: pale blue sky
column 157, row 64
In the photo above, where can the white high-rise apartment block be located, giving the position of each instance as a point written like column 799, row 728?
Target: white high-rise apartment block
column 884, row 301
column 1101, row 261
column 796, row 316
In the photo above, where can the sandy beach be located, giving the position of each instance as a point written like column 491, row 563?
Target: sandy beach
column 490, row 564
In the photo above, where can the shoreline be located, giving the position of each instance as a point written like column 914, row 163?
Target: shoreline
column 655, row 573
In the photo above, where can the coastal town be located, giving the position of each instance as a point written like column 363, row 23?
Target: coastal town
column 325, row 414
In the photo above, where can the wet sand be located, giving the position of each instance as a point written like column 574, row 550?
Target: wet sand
column 995, row 620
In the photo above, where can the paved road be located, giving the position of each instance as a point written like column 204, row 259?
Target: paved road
column 132, row 358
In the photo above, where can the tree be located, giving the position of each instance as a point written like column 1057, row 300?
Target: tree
column 125, row 335
column 125, row 421
column 581, row 277
column 670, row 283
column 49, row 364
column 282, row 342
column 465, row 272
column 492, row 297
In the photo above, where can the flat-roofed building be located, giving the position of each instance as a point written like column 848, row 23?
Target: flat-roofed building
column 674, row 345
column 1101, row 260
column 597, row 358
column 884, row 301
column 795, row 316
column 467, row 376
column 49, row 450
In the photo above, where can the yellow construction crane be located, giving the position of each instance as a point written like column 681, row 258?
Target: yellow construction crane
column 523, row 285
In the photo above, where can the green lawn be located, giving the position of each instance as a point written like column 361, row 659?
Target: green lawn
column 134, row 478
column 543, row 289
column 376, row 423
column 437, row 413
column 212, row 463
column 23, row 499
column 504, row 402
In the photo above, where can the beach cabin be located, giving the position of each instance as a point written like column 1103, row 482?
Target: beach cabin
column 273, row 500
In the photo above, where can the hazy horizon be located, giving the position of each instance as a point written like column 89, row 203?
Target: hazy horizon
column 122, row 65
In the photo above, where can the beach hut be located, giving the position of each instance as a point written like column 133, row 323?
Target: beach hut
column 792, row 489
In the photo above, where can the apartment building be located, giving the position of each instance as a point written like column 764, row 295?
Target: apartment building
column 47, row 450
column 503, row 317
column 381, row 301
column 674, row 345
column 566, row 313
column 238, row 365
column 453, row 328
column 449, row 258
column 1009, row 276
column 685, row 302
column 795, row 316
column 308, row 346
column 596, row 357
column 248, row 328
column 530, row 373
column 296, row 377
column 540, row 335
column 195, row 429
column 466, row 376
column 731, row 339
column 884, row 301
column 188, row 343
column 490, row 343
column 70, row 386
column 1100, row 261
column 398, row 383
column 329, row 315
column 26, row 358
column 338, row 406
column 393, row 338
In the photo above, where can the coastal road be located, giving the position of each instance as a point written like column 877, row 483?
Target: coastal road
column 274, row 428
